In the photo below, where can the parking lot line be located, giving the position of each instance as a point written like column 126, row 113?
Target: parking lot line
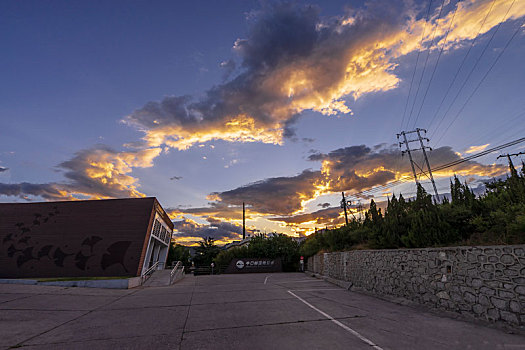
column 355, row 333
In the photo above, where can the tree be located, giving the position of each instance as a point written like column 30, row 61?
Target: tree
column 178, row 252
column 206, row 251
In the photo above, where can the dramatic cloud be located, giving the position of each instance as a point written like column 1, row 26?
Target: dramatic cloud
column 278, row 195
column 474, row 149
column 50, row 191
column 293, row 60
column 190, row 232
column 329, row 216
column 350, row 169
column 98, row 172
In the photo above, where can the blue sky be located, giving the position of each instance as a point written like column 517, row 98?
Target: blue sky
column 264, row 102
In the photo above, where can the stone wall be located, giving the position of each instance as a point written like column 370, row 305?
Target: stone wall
column 482, row 282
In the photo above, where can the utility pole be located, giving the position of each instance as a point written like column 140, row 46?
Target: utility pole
column 243, row 222
column 343, row 205
column 423, row 148
column 511, row 165
column 510, row 155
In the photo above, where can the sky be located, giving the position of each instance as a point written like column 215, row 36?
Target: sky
column 281, row 105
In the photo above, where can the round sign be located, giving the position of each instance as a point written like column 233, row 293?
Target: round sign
column 239, row 264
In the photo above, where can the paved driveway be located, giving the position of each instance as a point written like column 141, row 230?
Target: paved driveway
column 252, row 311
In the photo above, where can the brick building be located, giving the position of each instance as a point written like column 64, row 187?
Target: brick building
column 115, row 237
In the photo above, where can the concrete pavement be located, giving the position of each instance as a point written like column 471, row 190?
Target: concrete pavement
column 251, row 311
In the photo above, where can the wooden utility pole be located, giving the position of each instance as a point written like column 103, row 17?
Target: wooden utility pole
column 243, row 222
column 343, row 205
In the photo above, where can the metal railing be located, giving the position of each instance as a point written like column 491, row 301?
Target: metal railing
column 147, row 274
column 177, row 272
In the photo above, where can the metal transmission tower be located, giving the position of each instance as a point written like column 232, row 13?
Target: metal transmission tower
column 423, row 148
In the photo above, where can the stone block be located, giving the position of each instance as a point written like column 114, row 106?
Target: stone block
column 488, row 267
column 520, row 290
column 494, row 284
column 469, row 297
column 476, row 283
column 510, row 317
column 456, row 297
column 505, row 294
column 493, row 259
column 478, row 309
column 443, row 295
column 515, row 306
column 465, row 307
column 499, row 303
column 493, row 314
column 471, row 257
column 519, row 251
column 519, row 280
column 507, row 259
column 509, row 272
column 486, row 275
column 484, row 300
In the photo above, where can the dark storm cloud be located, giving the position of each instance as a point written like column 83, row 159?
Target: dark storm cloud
column 291, row 60
column 327, row 216
column 217, row 229
column 273, row 195
column 214, row 210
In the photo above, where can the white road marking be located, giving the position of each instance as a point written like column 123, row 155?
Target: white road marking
column 366, row 340
column 314, row 290
column 266, row 279
column 300, row 281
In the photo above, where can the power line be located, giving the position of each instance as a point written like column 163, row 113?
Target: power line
column 437, row 62
column 483, row 79
column 470, row 73
column 406, row 178
column 415, row 67
column 460, row 66
column 425, row 65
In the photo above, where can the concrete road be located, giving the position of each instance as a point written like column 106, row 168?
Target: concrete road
column 253, row 311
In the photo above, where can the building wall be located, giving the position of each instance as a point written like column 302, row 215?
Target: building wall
column 73, row 239
column 483, row 282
